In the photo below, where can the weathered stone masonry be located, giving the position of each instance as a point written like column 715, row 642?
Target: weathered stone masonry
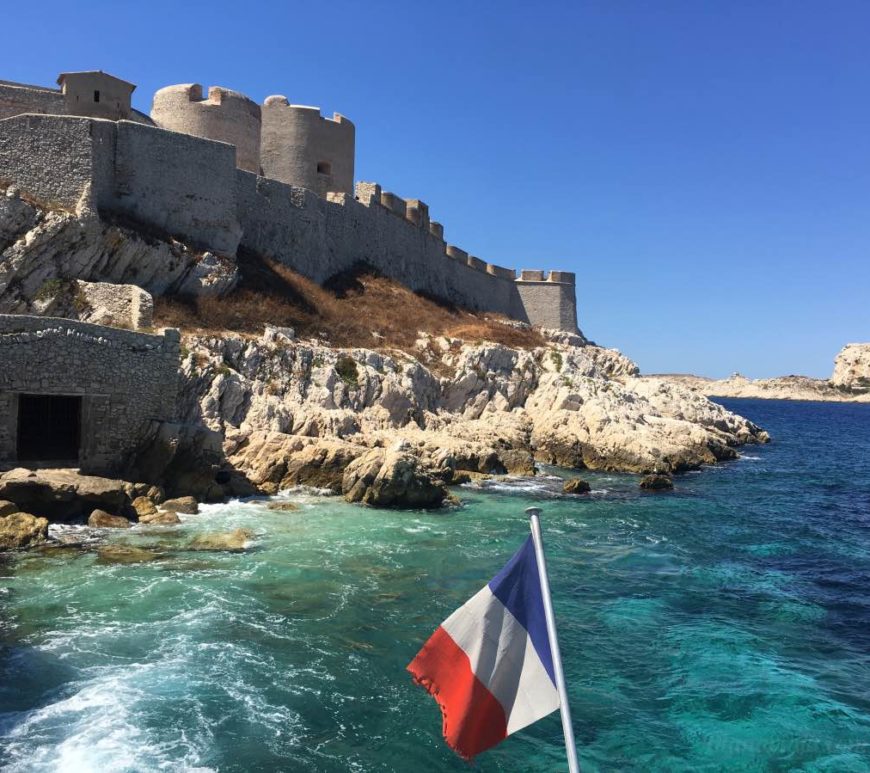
column 126, row 382
column 207, row 193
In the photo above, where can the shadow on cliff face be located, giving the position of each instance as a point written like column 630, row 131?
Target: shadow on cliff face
column 187, row 460
column 356, row 308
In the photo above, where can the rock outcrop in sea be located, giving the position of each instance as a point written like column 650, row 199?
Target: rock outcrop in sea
column 852, row 368
column 849, row 383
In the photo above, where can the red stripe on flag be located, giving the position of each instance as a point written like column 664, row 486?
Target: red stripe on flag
column 473, row 719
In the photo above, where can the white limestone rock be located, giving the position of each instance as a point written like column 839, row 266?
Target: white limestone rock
column 295, row 412
column 391, row 478
column 40, row 246
column 852, row 367
column 846, row 389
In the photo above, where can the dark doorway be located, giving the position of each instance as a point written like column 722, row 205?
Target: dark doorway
column 49, row 428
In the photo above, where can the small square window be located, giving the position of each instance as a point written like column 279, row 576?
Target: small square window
column 324, row 167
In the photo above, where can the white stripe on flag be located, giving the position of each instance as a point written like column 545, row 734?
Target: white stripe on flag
column 503, row 658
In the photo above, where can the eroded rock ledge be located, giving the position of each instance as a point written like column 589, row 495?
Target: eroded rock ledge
column 298, row 413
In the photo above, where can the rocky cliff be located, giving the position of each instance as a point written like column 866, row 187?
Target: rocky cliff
column 296, row 412
column 852, row 367
column 40, row 247
column 384, row 424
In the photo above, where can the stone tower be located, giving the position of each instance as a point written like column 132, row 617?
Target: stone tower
column 225, row 115
column 301, row 147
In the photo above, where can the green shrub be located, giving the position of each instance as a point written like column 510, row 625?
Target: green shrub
column 50, row 288
column 348, row 371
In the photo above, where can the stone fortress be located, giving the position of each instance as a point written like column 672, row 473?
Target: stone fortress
column 222, row 173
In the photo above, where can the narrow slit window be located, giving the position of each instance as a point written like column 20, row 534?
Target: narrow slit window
column 324, row 167
column 96, row 96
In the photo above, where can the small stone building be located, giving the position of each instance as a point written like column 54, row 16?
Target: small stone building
column 96, row 94
column 73, row 394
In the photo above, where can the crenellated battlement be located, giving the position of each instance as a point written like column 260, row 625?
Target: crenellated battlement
column 560, row 277
column 504, row 273
column 222, row 96
column 416, row 213
column 221, row 171
column 280, row 101
column 224, row 115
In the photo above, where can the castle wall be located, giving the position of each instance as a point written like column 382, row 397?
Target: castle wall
column 225, row 115
column 321, row 237
column 179, row 184
column 284, row 223
column 126, row 380
column 16, row 99
column 190, row 188
column 58, row 159
column 551, row 302
column 300, row 147
column 409, row 253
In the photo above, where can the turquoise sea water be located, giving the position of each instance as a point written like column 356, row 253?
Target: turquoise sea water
column 725, row 626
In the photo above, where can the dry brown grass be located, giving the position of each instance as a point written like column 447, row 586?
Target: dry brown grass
column 356, row 309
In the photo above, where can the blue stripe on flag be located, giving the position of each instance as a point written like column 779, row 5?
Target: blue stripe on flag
column 518, row 587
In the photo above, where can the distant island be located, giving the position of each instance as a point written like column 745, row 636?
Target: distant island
column 849, row 383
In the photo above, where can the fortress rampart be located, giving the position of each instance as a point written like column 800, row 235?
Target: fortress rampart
column 17, row 98
column 196, row 179
column 225, row 115
column 301, row 147
column 190, row 188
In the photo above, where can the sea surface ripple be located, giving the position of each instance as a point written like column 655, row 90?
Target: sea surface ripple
column 723, row 627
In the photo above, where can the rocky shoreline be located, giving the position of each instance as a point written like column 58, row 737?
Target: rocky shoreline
column 259, row 415
column 292, row 413
column 849, row 382
column 391, row 423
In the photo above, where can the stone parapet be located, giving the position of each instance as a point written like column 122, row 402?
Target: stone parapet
column 504, row 273
column 476, row 263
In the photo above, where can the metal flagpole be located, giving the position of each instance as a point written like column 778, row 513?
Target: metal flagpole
column 567, row 727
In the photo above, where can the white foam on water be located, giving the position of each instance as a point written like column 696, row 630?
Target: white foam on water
column 535, row 486
column 96, row 728
column 75, row 533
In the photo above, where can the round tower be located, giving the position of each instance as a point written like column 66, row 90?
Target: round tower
column 225, row 115
column 301, row 147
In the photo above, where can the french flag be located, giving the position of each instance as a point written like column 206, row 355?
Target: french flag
column 489, row 665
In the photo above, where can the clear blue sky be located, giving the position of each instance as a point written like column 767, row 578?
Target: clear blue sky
column 704, row 167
